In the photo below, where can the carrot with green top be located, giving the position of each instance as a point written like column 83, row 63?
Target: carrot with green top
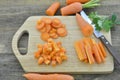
column 77, row 7
column 72, row 1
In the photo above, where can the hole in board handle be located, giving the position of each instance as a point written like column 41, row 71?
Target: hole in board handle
column 23, row 43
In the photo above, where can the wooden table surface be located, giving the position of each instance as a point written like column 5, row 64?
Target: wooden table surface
column 12, row 15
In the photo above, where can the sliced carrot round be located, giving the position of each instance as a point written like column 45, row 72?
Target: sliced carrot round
column 47, row 20
column 43, row 30
column 56, row 21
column 40, row 26
column 62, row 32
column 39, row 21
column 48, row 28
column 45, row 36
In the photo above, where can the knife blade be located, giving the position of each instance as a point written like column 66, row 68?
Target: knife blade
column 100, row 36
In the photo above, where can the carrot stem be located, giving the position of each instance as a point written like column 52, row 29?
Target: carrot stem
column 91, row 3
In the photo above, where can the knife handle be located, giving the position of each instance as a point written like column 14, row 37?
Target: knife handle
column 110, row 48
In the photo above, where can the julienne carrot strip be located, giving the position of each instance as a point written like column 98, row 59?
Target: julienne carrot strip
column 101, row 55
column 53, row 8
column 85, row 27
column 89, row 54
column 79, row 52
column 96, row 54
column 102, row 49
column 72, row 1
column 82, row 47
column 35, row 76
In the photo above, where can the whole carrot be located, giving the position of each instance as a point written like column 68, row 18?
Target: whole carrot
column 33, row 76
column 85, row 27
column 77, row 7
column 72, row 1
column 53, row 8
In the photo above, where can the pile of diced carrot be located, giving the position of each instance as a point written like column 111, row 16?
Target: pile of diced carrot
column 50, row 53
column 51, row 28
column 90, row 51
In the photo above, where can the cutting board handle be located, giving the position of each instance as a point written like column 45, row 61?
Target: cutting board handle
column 15, row 40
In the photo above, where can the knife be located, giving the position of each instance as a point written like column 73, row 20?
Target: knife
column 100, row 36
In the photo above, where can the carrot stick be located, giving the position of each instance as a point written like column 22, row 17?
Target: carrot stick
column 89, row 54
column 34, row 76
column 53, row 8
column 46, row 20
column 82, row 47
column 72, row 1
column 101, row 55
column 102, row 49
column 85, row 27
column 79, row 51
column 96, row 54
column 71, row 9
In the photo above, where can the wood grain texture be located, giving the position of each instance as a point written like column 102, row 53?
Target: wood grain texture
column 29, row 63
column 12, row 15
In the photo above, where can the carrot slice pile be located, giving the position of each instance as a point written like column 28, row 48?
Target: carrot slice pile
column 50, row 53
column 51, row 28
column 89, row 51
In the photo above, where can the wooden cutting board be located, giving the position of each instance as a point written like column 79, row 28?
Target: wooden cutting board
column 72, row 65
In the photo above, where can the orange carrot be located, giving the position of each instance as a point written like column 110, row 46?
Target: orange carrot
column 85, row 27
column 40, row 60
column 40, row 26
column 59, row 60
column 82, row 47
column 43, row 29
column 53, row 63
column 46, row 20
column 53, row 35
column 45, row 36
column 101, row 55
column 72, row 1
column 96, row 54
column 62, row 32
column 37, row 54
column 71, row 9
column 48, row 28
column 77, row 7
column 53, row 8
column 78, row 50
column 56, row 22
column 34, row 76
column 102, row 49
column 89, row 54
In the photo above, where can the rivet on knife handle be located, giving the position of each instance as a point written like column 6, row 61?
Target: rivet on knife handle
column 110, row 48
